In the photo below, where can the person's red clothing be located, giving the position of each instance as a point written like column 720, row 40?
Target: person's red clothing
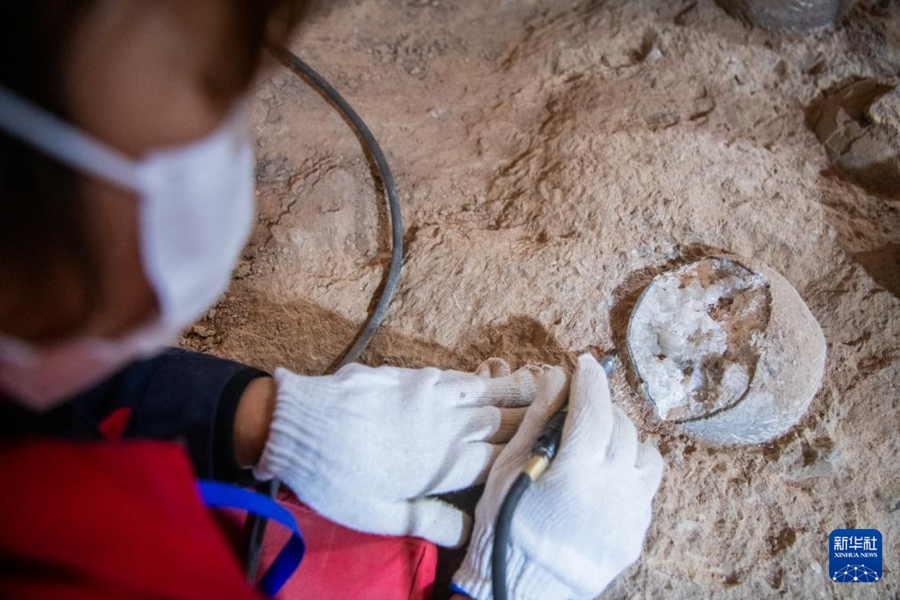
column 123, row 519
column 342, row 563
column 83, row 517
column 109, row 520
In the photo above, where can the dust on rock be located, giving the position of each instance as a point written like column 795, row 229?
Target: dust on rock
column 541, row 169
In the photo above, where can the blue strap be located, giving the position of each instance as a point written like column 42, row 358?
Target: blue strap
column 458, row 590
column 222, row 495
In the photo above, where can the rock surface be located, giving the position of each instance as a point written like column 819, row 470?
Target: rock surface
column 547, row 171
column 796, row 15
column 787, row 376
column 696, row 335
column 859, row 125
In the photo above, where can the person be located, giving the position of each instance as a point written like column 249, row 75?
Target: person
column 126, row 171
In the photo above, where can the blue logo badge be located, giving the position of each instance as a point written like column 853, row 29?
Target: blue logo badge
column 854, row 555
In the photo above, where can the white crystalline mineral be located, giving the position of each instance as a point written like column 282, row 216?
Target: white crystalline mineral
column 679, row 346
column 725, row 347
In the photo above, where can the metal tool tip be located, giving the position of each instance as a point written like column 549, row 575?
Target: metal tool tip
column 608, row 363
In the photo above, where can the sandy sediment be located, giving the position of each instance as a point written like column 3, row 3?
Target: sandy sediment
column 551, row 158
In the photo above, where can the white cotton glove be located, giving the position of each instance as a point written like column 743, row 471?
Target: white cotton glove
column 365, row 447
column 584, row 521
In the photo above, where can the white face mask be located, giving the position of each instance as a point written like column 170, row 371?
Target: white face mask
column 196, row 208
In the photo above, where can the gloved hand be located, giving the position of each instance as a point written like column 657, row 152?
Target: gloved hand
column 584, row 521
column 366, row 446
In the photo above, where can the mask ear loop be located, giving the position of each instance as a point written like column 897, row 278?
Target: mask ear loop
column 44, row 131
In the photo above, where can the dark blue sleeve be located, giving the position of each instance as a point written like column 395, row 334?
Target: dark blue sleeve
column 190, row 397
column 178, row 395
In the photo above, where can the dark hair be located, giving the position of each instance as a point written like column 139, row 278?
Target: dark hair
column 40, row 207
column 41, row 210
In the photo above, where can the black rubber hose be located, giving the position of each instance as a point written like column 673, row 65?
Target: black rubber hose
column 387, row 179
column 371, row 147
column 501, row 534
column 257, row 533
